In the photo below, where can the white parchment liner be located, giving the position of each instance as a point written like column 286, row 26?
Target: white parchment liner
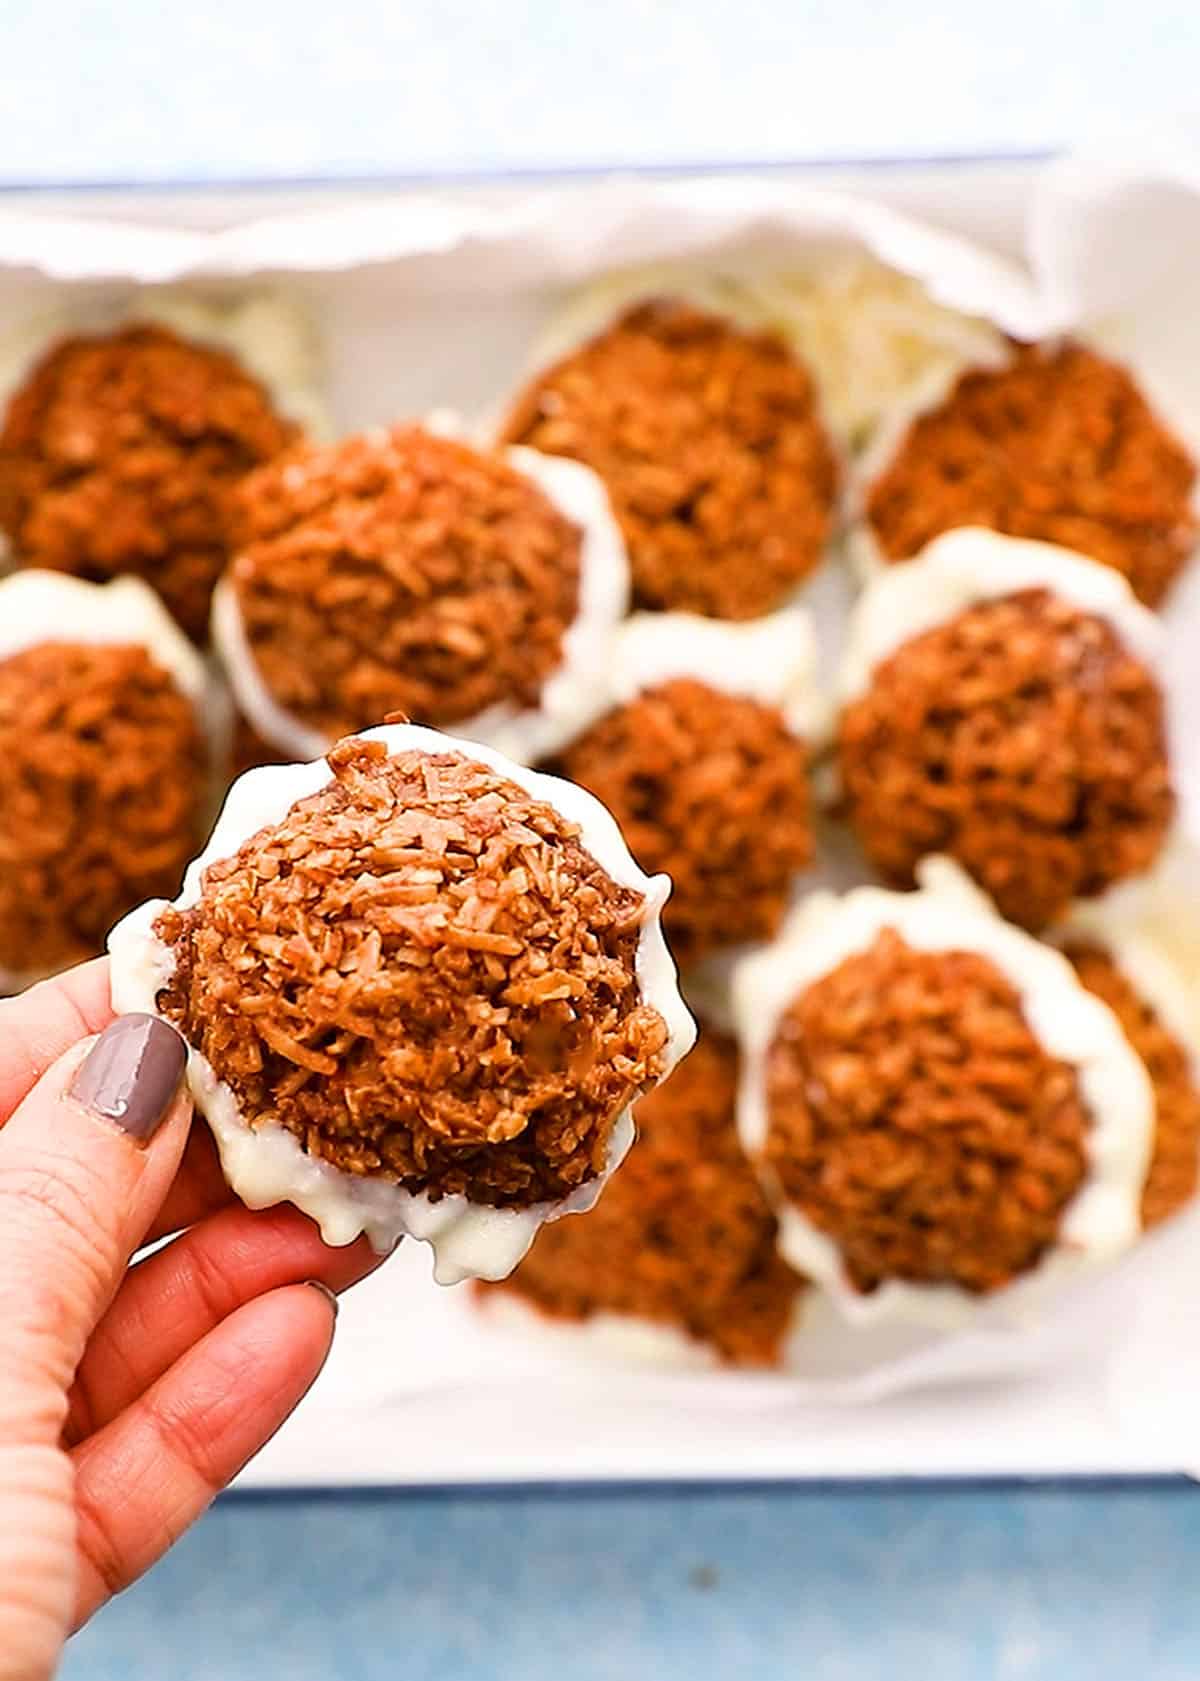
column 395, row 283
column 266, row 1165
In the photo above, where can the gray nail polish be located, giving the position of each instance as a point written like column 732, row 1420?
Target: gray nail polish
column 316, row 1284
column 131, row 1074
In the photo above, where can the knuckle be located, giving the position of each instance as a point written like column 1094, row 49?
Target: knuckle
column 102, row 1542
column 63, row 1259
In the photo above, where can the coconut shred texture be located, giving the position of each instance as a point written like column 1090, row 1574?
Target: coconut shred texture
column 999, row 703
column 422, row 988
column 703, row 760
column 107, row 719
column 707, row 432
column 1052, row 442
column 404, row 571
column 120, row 450
column 940, row 1111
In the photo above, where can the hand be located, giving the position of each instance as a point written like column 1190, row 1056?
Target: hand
column 129, row 1395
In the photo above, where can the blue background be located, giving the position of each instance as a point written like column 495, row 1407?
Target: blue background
column 922, row 1581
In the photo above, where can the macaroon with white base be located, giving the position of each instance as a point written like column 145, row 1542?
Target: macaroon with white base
column 946, row 1122
column 111, row 734
column 405, row 572
column 422, row 988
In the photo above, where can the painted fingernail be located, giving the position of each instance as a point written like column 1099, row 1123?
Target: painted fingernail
column 315, row 1284
column 131, row 1074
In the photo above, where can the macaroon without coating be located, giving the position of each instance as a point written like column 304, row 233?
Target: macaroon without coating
column 683, row 1237
column 418, row 979
column 1059, row 445
column 119, row 454
column 711, row 445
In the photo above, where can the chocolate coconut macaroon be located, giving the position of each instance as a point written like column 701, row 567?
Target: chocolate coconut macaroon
column 999, row 704
column 403, row 571
column 707, row 433
column 120, row 450
column 1056, row 443
column 939, row 1109
column 107, row 737
column 421, row 989
column 704, row 763
column 678, row 1264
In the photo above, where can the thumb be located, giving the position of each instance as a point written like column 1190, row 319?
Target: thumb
column 85, row 1161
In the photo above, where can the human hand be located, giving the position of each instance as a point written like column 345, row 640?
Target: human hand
column 129, row 1395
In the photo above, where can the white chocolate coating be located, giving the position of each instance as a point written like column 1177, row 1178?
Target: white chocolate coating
column 266, row 1166
column 949, row 914
column 965, row 567
column 573, row 696
column 37, row 607
column 772, row 660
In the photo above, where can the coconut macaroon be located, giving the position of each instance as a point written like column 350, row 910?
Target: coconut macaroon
column 403, row 571
column 709, row 438
column 421, row 989
column 1139, row 950
column 682, row 1244
column 999, row 704
column 938, row 1107
column 1058, row 444
column 704, row 763
column 119, row 452
column 103, row 764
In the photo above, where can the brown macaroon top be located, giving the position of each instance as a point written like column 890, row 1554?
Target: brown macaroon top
column 119, row 453
column 102, row 787
column 1060, row 446
column 1024, row 739
column 402, row 572
column 682, row 1236
column 916, row 1119
column 423, row 975
column 712, row 448
column 712, row 788
column 1175, row 1156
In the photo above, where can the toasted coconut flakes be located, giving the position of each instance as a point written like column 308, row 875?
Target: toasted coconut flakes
column 448, row 1061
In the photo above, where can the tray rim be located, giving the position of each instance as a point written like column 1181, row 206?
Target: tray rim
column 207, row 188
column 524, row 175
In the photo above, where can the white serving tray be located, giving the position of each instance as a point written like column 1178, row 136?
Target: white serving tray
column 432, row 300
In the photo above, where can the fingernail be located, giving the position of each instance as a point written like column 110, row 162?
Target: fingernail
column 315, row 1284
column 131, row 1074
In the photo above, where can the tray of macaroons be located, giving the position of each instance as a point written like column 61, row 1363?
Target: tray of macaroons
column 666, row 702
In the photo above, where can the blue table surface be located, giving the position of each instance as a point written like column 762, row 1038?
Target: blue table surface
column 931, row 1582
column 943, row 1584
